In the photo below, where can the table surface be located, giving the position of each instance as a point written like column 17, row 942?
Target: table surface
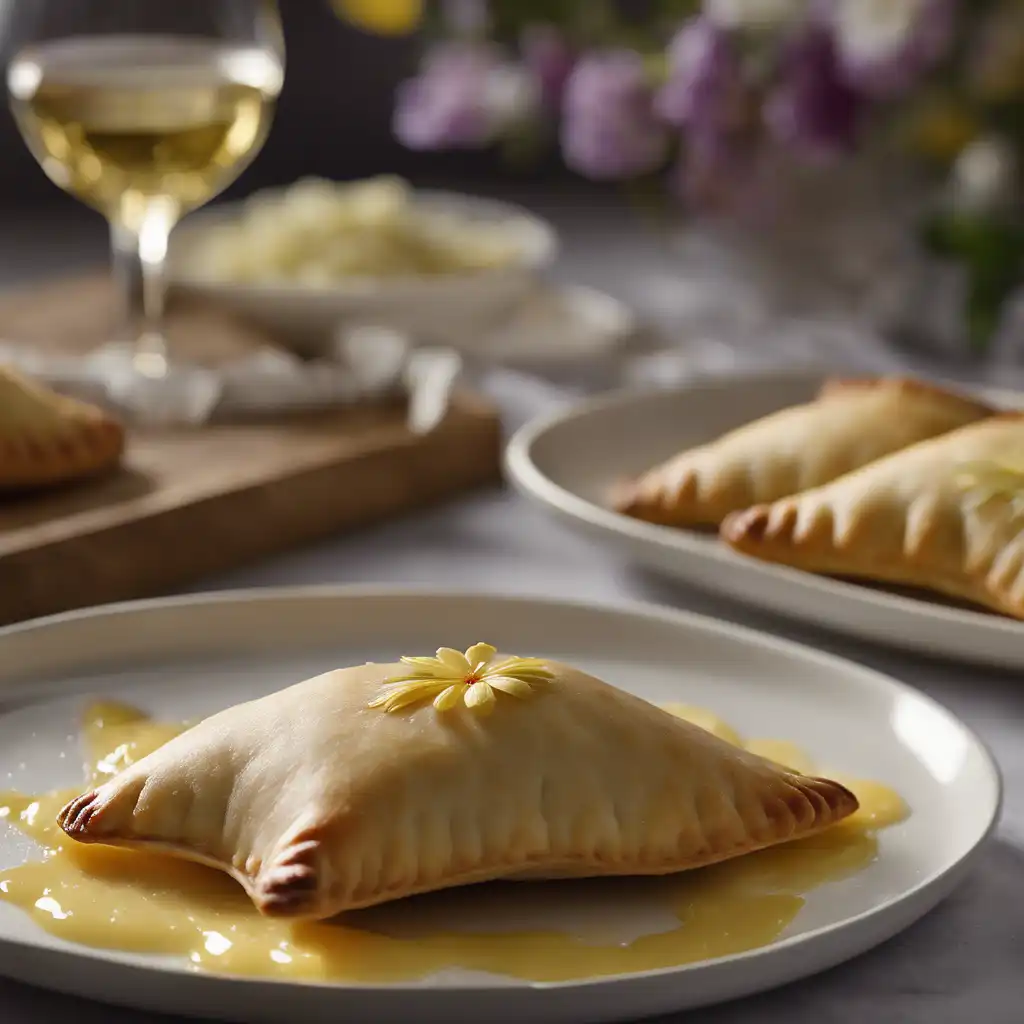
column 965, row 961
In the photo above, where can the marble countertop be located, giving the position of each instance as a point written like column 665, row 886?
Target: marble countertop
column 963, row 962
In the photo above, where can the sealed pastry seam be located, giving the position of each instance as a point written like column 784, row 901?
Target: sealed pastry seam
column 46, row 438
column 850, row 424
column 319, row 803
column 297, row 881
column 970, row 407
column 944, row 516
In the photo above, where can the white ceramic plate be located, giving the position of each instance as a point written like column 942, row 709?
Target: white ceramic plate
column 557, row 330
column 433, row 308
column 567, row 462
column 188, row 656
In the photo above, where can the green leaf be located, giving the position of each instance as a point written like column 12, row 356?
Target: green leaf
column 990, row 249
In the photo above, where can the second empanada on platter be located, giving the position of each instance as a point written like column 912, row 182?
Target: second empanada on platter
column 48, row 438
column 927, row 517
column 377, row 782
column 850, row 424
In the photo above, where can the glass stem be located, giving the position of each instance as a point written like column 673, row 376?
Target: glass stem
column 139, row 240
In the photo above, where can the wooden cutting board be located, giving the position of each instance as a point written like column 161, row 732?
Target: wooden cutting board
column 198, row 501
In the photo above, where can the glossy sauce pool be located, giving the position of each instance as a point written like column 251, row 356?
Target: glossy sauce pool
column 143, row 903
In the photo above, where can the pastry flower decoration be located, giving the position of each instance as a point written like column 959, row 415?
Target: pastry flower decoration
column 452, row 678
column 990, row 480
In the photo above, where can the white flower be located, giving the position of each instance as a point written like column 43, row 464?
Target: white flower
column 870, row 31
column 985, row 174
column 755, row 14
column 511, row 96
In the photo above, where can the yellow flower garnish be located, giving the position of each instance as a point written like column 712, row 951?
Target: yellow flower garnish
column 993, row 481
column 472, row 678
column 383, row 17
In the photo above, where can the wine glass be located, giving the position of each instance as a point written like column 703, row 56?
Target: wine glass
column 144, row 111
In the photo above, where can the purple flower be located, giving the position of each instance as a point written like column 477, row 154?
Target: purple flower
column 707, row 97
column 550, row 59
column 610, row 130
column 465, row 95
column 814, row 108
column 885, row 46
column 705, row 87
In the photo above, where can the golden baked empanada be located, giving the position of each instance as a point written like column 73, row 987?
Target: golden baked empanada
column 373, row 783
column 918, row 518
column 849, row 425
column 46, row 438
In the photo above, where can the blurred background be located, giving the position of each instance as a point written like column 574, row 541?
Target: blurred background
column 333, row 118
column 847, row 226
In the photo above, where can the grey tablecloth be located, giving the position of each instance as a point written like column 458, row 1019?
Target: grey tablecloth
column 963, row 963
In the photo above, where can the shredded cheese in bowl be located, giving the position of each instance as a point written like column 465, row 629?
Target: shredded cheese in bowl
column 319, row 233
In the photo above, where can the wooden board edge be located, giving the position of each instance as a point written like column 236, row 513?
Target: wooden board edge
column 463, row 454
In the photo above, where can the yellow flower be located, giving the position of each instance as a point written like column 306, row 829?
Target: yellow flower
column 942, row 128
column 472, row 678
column 994, row 481
column 384, row 17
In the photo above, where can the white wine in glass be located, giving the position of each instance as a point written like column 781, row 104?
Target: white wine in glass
column 145, row 111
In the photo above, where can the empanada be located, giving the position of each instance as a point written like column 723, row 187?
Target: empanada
column 850, row 424
column 47, row 438
column 920, row 518
column 373, row 783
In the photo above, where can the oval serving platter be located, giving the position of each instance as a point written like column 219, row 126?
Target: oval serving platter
column 186, row 657
column 567, row 462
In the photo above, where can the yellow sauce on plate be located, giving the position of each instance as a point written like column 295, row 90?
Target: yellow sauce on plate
column 143, row 903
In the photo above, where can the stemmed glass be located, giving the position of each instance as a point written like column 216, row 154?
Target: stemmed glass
column 144, row 111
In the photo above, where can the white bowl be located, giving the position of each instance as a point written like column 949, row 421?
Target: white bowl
column 430, row 308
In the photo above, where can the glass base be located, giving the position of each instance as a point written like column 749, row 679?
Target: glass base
column 154, row 391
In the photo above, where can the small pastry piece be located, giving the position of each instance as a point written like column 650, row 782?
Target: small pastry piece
column 849, row 425
column 920, row 518
column 374, row 783
column 46, row 438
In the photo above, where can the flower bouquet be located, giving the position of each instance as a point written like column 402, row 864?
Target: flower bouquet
column 735, row 108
